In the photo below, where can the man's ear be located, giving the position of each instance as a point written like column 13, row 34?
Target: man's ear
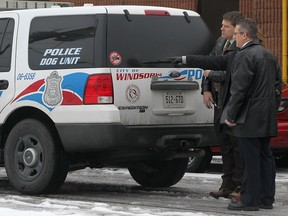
column 245, row 36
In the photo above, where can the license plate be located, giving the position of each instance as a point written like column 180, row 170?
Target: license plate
column 173, row 99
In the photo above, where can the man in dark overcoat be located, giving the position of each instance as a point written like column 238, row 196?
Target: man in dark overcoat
column 251, row 101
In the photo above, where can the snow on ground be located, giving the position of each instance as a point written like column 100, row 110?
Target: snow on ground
column 98, row 211
column 20, row 205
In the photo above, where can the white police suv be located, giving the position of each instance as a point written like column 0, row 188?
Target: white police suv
column 90, row 87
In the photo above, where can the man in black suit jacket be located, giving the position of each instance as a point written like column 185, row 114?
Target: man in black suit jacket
column 213, row 89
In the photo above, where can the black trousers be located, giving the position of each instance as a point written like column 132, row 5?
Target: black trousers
column 232, row 162
column 258, row 185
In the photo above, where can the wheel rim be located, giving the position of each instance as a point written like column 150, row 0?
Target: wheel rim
column 29, row 157
column 191, row 160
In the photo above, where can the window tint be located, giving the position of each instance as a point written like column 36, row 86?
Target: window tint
column 153, row 38
column 6, row 39
column 60, row 42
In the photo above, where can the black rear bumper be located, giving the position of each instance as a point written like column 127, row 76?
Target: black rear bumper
column 113, row 137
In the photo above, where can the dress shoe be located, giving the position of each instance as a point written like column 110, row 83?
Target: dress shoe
column 262, row 206
column 239, row 206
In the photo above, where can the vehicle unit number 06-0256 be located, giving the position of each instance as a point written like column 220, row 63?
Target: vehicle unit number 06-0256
column 174, row 99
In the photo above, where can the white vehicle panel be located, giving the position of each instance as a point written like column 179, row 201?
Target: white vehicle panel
column 139, row 105
column 86, row 114
column 33, row 89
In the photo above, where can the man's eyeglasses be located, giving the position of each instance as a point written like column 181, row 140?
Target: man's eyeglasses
column 235, row 33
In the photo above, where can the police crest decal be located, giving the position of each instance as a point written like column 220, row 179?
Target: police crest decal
column 53, row 93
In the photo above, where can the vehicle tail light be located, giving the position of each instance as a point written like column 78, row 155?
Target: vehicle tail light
column 283, row 105
column 99, row 89
column 157, row 13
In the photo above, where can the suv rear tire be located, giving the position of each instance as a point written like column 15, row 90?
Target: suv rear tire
column 163, row 173
column 199, row 164
column 35, row 160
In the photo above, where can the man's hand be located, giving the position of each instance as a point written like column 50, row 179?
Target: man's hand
column 206, row 73
column 229, row 123
column 208, row 99
column 175, row 60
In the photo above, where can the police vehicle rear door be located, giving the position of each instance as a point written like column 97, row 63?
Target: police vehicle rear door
column 148, row 89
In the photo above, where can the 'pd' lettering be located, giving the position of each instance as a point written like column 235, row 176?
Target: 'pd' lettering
column 195, row 74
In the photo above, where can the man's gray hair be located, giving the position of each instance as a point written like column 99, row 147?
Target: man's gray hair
column 249, row 26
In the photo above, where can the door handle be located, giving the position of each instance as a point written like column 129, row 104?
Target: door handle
column 4, row 84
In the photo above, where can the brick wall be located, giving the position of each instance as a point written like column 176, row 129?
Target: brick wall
column 268, row 15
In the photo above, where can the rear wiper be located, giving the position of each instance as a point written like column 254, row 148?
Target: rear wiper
column 187, row 17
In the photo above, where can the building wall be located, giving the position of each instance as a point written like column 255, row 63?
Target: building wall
column 267, row 13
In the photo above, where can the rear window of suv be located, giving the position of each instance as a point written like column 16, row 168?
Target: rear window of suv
column 146, row 39
column 79, row 41
column 63, row 42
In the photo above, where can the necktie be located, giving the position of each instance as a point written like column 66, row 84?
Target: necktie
column 226, row 46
